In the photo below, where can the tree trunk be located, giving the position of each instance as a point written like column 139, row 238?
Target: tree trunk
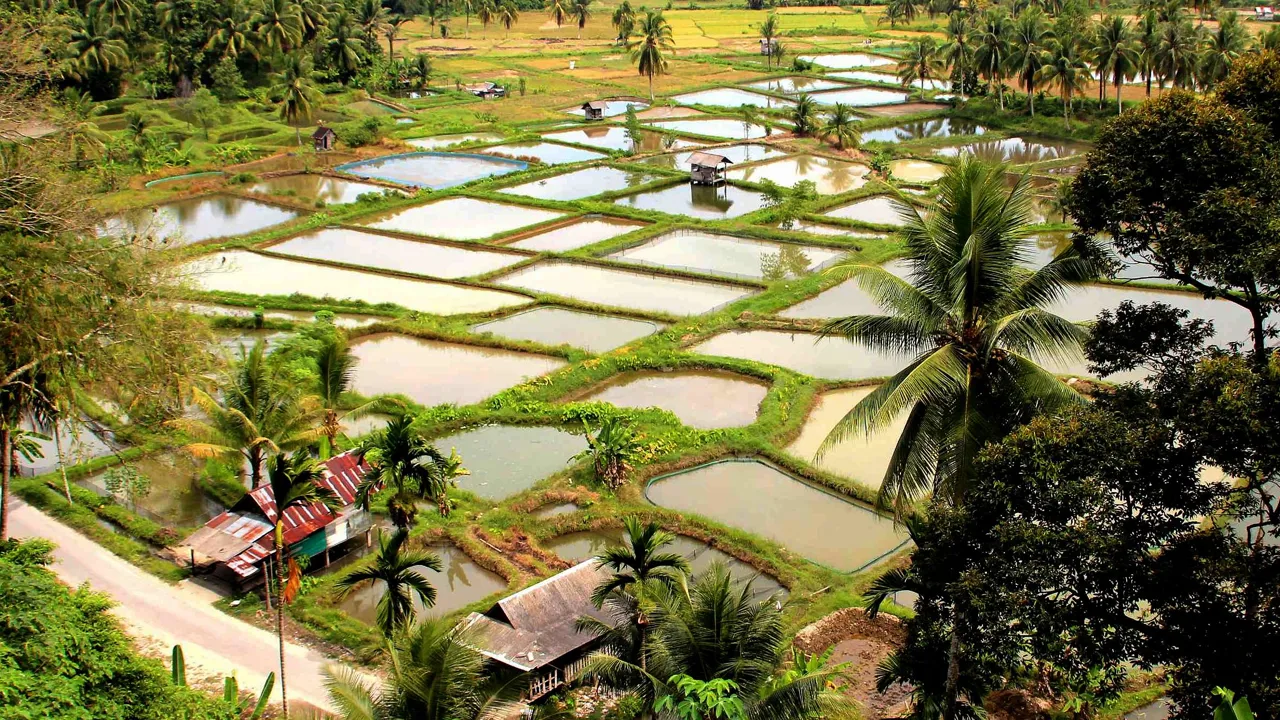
column 1119, row 99
column 6, row 462
column 297, row 134
column 284, row 695
column 1102, row 89
column 62, row 466
column 953, row 676
column 1000, row 93
column 255, row 467
column 651, row 88
column 1148, row 84
column 391, row 49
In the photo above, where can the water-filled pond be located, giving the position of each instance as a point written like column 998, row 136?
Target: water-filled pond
column 556, row 326
column 832, row 358
column 759, row 498
column 742, row 153
column 198, row 218
column 580, row 233
column 708, row 202
column 82, row 441
column 728, row 255
column 253, row 274
column 544, row 152
column 311, row 188
column 917, row 171
column 830, row 176
column 923, row 129
column 432, row 169
column 353, row 247
column 581, row 183
column 623, row 288
column 824, row 229
column 877, row 210
column 236, row 343
column 795, row 85
column 845, row 61
column 731, row 97
column 461, row 218
column 716, row 128
column 441, row 141
column 860, row 97
column 460, row 583
column 172, row 496
column 847, row 298
column 857, row 457
column 507, row 459
column 612, row 108
column 345, row 320
column 614, row 137
column 1017, row 151
column 554, row 510
column 869, row 76
column 432, row 372
column 704, row 399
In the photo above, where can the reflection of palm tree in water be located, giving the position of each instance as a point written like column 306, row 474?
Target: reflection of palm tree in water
column 840, row 175
column 789, row 260
column 711, row 197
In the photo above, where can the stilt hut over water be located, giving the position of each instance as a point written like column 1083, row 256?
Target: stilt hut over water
column 707, row 168
column 595, row 109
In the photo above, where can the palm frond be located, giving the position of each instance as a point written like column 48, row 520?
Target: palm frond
column 353, row 698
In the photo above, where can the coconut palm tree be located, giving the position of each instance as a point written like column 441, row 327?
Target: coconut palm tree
column 957, row 52
column 392, row 32
column 1027, row 51
column 842, row 125
column 344, row 44
column 294, row 485
column 421, row 70
column 434, row 674
column 258, row 414
column 649, row 46
column 1115, row 55
column 804, row 116
column 278, row 24
column 232, row 33
column 1065, row 67
column 971, row 317
column 899, row 11
column 298, row 94
column 1269, row 40
column 580, row 11
column 335, row 374
column 921, row 61
column 508, row 15
column 769, row 33
column 372, row 18
column 486, row 12
column 95, row 45
column 1147, row 37
column 394, row 567
column 1178, row 54
column 400, row 458
column 82, row 134
column 624, row 20
column 313, row 16
column 558, row 10
column 1222, row 47
column 992, row 53
column 639, row 561
column 119, row 13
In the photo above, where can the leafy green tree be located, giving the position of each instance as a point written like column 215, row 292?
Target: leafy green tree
column 228, row 83
column 421, row 70
column 804, row 116
column 396, row 569
column 344, row 45
column 695, row 700
column 580, row 11
column 1221, row 49
column 649, row 46
column 119, row 13
column 842, row 125
column 993, row 49
column 205, row 108
column 96, row 46
column 1253, row 87
column 392, row 33
column 400, row 458
column 1027, row 52
column 297, row 91
column 278, row 24
column 1065, row 67
column 611, row 450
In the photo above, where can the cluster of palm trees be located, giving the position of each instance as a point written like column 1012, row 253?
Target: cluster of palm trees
column 577, row 11
column 838, row 125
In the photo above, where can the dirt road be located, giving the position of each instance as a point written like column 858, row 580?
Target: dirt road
column 213, row 643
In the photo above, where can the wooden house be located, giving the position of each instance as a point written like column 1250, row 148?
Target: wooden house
column 766, row 46
column 237, row 544
column 595, row 109
column 324, row 138
column 534, row 630
column 707, row 168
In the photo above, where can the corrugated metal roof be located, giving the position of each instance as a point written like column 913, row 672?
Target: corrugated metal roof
column 707, row 159
column 342, row 477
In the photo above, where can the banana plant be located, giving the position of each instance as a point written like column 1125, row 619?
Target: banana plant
column 230, row 688
column 1231, row 708
column 179, row 667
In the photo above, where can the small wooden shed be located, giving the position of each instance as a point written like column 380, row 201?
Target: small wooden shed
column 707, row 168
column 766, row 46
column 323, row 138
column 595, row 109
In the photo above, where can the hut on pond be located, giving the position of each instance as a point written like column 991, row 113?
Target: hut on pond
column 236, row 545
column 707, row 168
column 324, row 138
column 595, row 109
column 534, row 630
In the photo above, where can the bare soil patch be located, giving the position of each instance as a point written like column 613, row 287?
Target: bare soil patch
column 861, row 643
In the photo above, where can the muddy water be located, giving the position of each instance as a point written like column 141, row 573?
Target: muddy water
column 549, row 153
column 917, row 171
column 253, row 274
column 580, row 184
column 460, row 583
column 199, row 218
column 847, row 298
column 614, row 137
column 580, row 233
column 704, row 399
column 829, row 176
column 311, row 188
column 352, row 247
column 506, row 459
column 440, row 141
column 729, row 256
column 556, row 326
column 761, row 499
column 857, row 457
column 723, row 128
column 460, row 218
column 860, row 97
column 432, row 372
column 82, row 441
column 922, row 129
column 737, row 154
column 621, row 288
column 430, row 169
column 554, row 510
column 700, row 201
column 173, row 497
column 732, row 98
column 795, row 85
column 878, row 210
column 831, row 357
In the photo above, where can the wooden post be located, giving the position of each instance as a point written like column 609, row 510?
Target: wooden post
column 193, row 561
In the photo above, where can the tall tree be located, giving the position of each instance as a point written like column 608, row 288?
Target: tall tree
column 899, row 11
column 400, row 458
column 1067, row 69
column 96, row 46
column 232, row 34
column 1115, row 56
column 921, row 62
column 120, row 13
column 278, row 24
column 83, row 136
column 769, row 33
column 580, row 11
column 486, row 12
column 624, row 20
column 1222, row 46
column 957, row 52
column 1147, row 36
column 1178, row 54
column 294, row 481
column 297, row 91
column 396, row 570
column 372, row 18
column 344, row 45
column 649, row 46
column 558, row 10
column 335, row 373
column 804, row 116
column 392, row 32
column 639, row 561
column 1027, row 56
column 993, row 48
column 842, row 126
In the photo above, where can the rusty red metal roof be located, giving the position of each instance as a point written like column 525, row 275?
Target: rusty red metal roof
column 342, row 475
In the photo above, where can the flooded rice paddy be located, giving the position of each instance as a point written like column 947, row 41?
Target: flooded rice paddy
column 704, row 399
column 559, row 326
column 461, row 218
column 799, row 516
column 732, row 98
column 589, row 230
column 312, row 188
column 431, row 169
column 729, row 256
column 707, row 202
column 846, row 61
column 930, row 84
column 917, row 171
column 431, row 372
column 507, row 459
column 860, row 97
column 545, row 152
column 353, row 247
column 924, row 129
column 824, row 229
column 82, row 441
column 716, row 128
column 1018, row 151
column 343, row 320
column 441, row 141
column 831, row 358
column 737, row 154
column 623, row 288
column 877, row 210
column 253, row 274
column 459, row 583
column 795, row 85
column 613, row 108
column 614, row 137
column 581, row 184
column 830, row 176
column 857, row 457
column 196, row 219
column 172, row 498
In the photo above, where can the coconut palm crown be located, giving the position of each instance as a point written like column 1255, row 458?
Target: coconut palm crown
column 639, row 560
column 970, row 317
column 396, row 568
